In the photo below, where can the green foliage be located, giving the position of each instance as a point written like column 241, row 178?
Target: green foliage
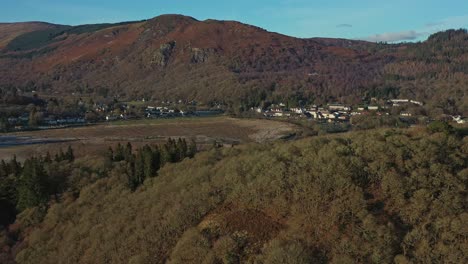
column 440, row 127
column 32, row 185
column 63, row 156
column 148, row 160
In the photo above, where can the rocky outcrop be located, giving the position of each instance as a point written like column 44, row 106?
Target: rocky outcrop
column 162, row 56
column 200, row 55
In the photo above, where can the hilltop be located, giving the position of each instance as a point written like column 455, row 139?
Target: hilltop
column 178, row 57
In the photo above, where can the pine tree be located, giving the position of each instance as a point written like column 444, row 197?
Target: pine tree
column 192, row 149
column 57, row 157
column 4, row 170
column 32, row 186
column 110, row 154
column 149, row 164
column 128, row 151
column 119, row 153
column 70, row 156
column 166, row 156
column 139, row 169
column 48, row 158
column 131, row 178
column 14, row 166
column 61, row 156
column 182, row 149
column 156, row 159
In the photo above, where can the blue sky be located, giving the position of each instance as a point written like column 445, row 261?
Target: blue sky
column 377, row 20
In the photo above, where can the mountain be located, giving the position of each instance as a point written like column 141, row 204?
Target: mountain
column 178, row 57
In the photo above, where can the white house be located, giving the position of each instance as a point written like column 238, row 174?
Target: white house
column 338, row 107
column 459, row 119
column 297, row 110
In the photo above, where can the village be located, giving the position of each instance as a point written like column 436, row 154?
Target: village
column 337, row 112
column 100, row 112
column 120, row 111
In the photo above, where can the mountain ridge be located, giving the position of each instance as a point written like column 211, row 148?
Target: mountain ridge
column 179, row 57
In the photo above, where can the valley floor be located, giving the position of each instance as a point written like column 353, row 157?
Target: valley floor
column 205, row 131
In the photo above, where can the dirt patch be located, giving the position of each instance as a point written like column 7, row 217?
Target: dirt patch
column 96, row 139
column 268, row 130
column 253, row 227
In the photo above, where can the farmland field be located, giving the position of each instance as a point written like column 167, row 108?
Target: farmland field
column 96, row 139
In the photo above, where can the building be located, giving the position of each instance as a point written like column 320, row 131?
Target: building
column 297, row 110
column 338, row 107
column 459, row 119
column 398, row 102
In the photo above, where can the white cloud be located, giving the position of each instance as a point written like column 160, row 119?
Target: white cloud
column 394, row 36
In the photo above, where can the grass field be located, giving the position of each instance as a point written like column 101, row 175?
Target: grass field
column 205, row 131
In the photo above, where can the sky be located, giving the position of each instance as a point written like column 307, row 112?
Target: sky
column 372, row 20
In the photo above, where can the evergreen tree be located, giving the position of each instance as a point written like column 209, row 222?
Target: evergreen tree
column 32, row 186
column 119, row 153
column 110, row 155
column 139, row 174
column 131, row 178
column 4, row 170
column 192, row 149
column 14, row 166
column 166, row 156
column 182, row 149
column 148, row 161
column 156, row 159
column 48, row 158
column 57, row 157
column 128, row 151
column 70, row 156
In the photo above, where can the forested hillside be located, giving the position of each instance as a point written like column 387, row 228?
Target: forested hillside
column 175, row 57
column 380, row 196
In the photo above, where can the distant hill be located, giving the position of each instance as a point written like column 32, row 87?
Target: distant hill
column 178, row 57
column 9, row 31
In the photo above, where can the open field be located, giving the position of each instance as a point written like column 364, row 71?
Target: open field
column 205, row 131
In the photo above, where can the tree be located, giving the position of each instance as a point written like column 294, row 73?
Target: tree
column 192, row 149
column 4, row 170
column 182, row 148
column 440, row 127
column 139, row 168
column 70, row 156
column 14, row 166
column 148, row 162
column 156, row 159
column 128, row 151
column 48, row 158
column 32, row 186
column 119, row 153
